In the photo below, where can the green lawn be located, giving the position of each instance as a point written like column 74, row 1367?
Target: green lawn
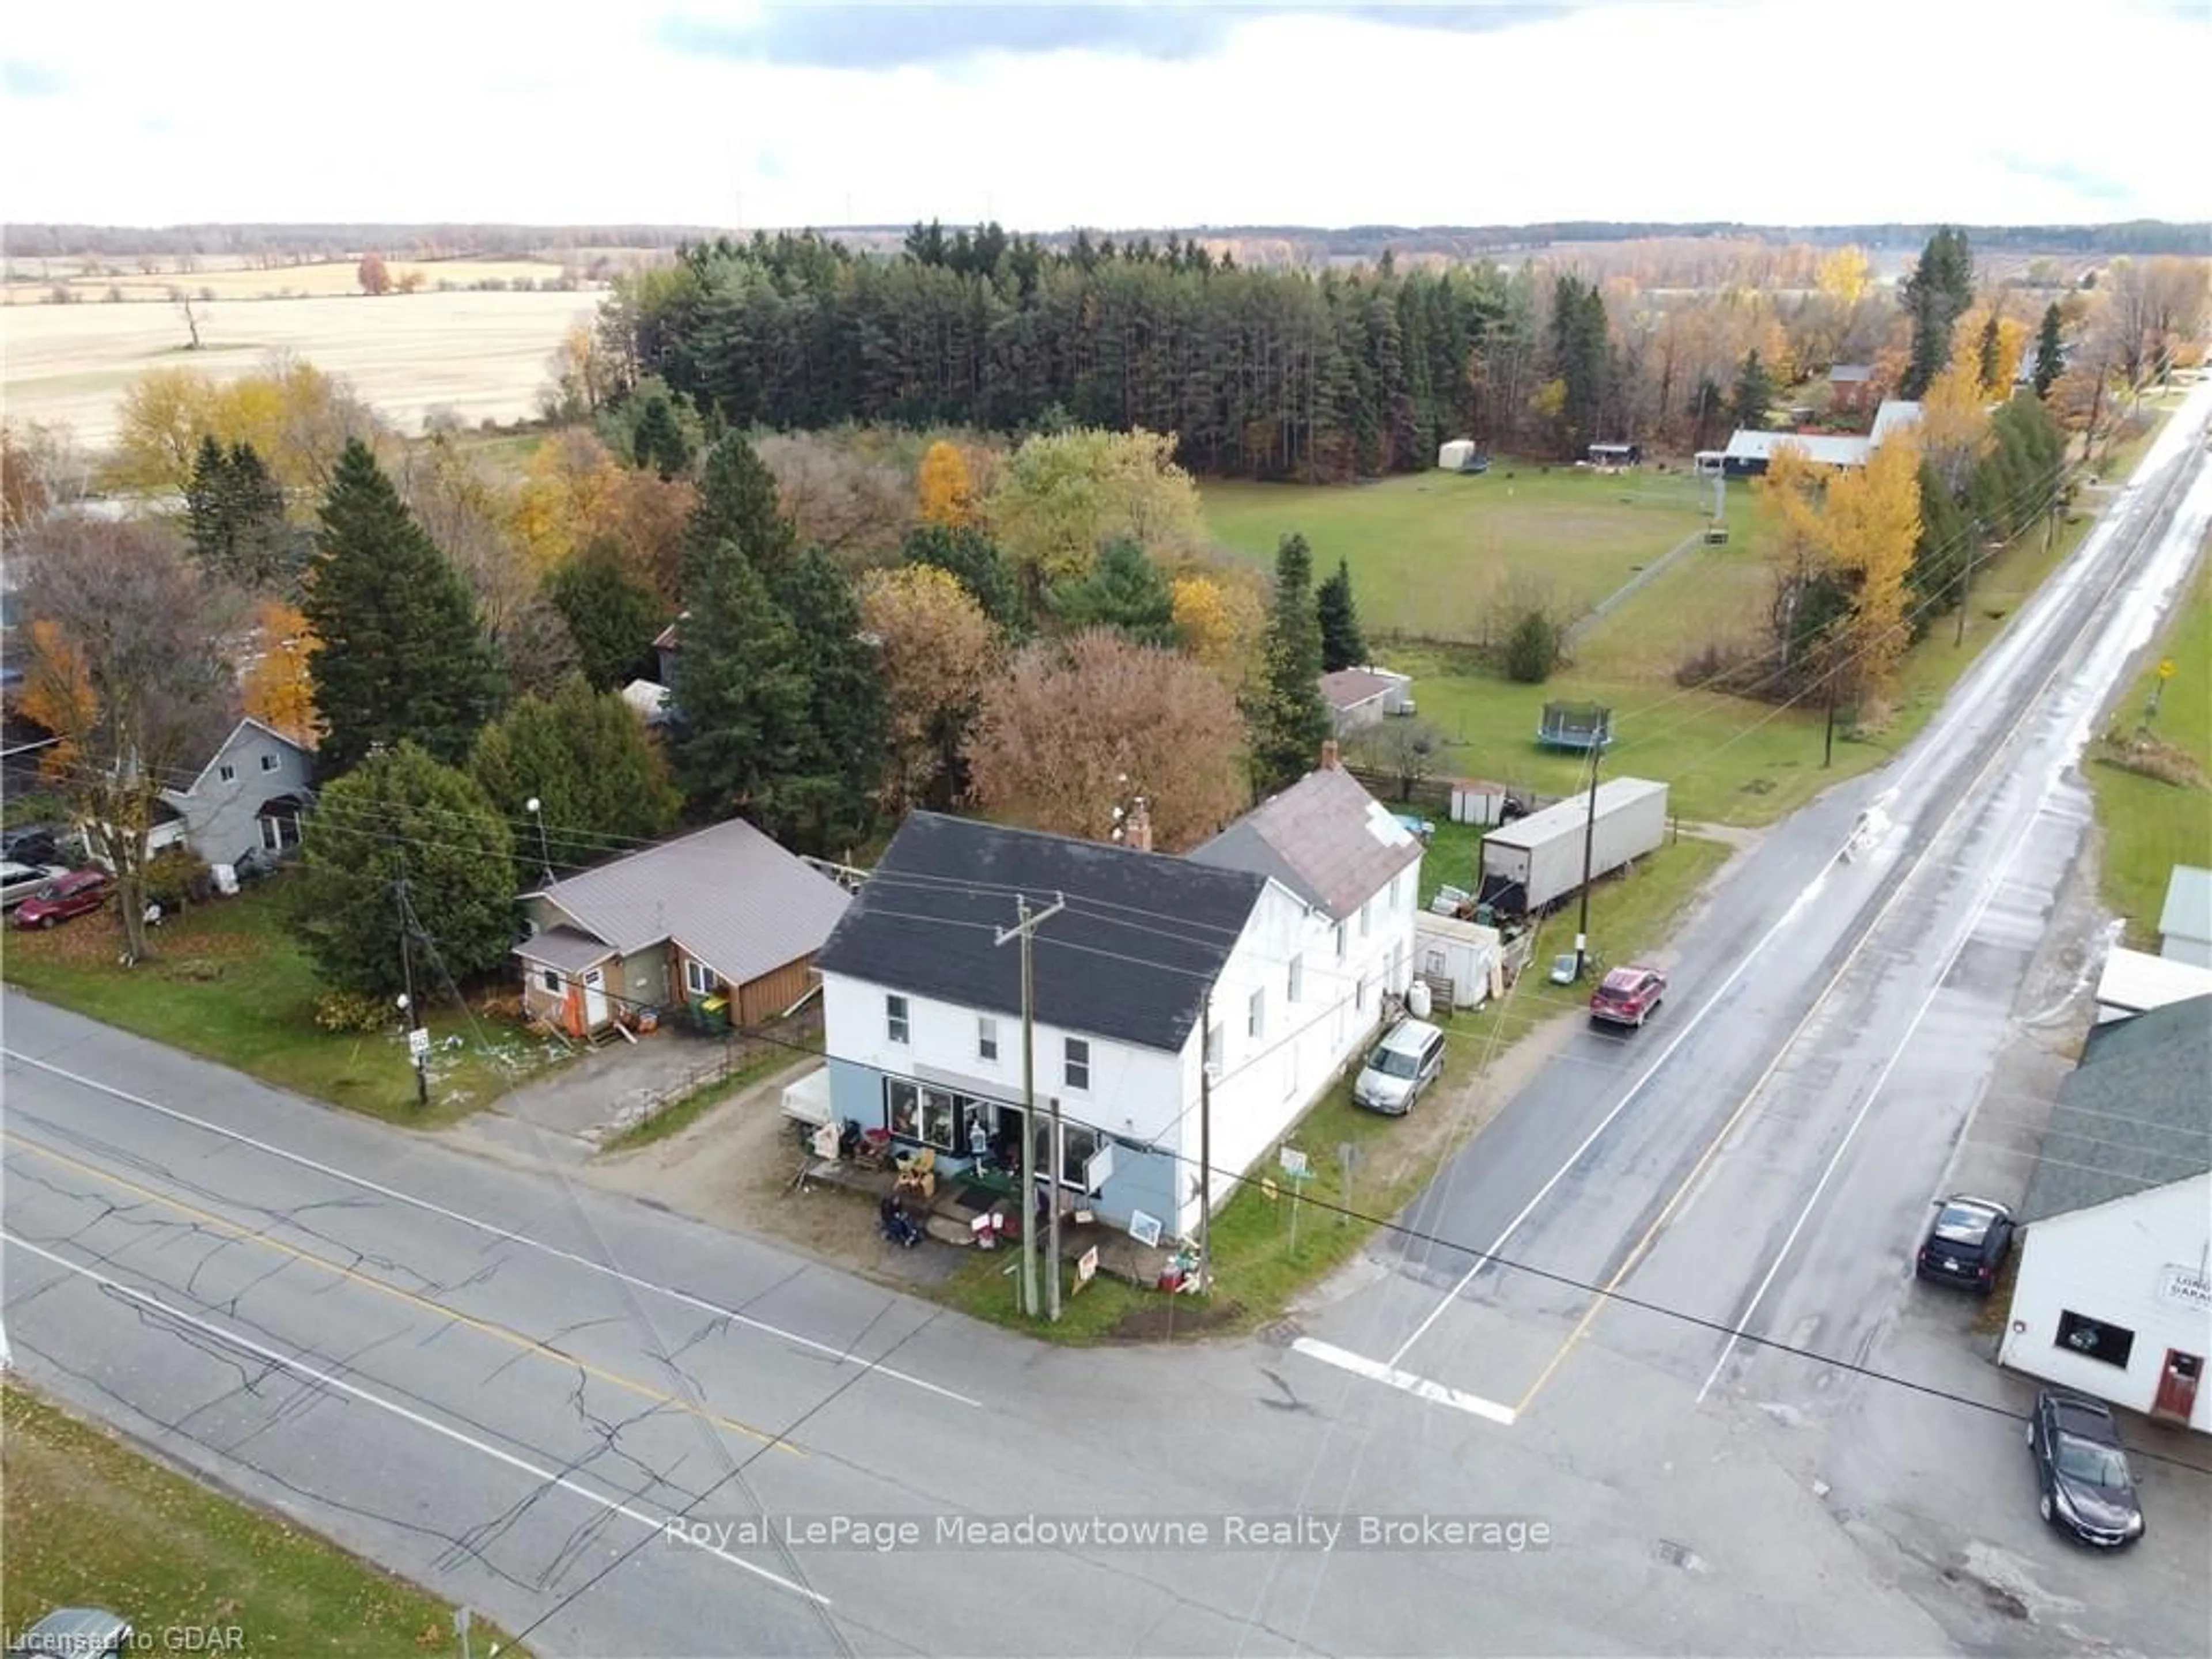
column 1427, row 551
column 228, row 981
column 2151, row 824
column 90, row 1523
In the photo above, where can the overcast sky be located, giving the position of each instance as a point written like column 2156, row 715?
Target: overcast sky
column 1775, row 112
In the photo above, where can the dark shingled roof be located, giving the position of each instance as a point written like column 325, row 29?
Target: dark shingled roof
column 1129, row 958
column 1325, row 838
column 2135, row 1114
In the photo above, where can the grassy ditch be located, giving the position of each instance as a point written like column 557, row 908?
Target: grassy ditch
column 91, row 1522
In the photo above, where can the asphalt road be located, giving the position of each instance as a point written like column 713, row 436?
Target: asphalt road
column 503, row 1385
column 1754, row 1167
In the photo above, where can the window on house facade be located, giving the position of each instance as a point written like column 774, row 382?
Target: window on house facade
column 1359, row 995
column 1340, row 941
column 551, row 981
column 1366, row 918
column 926, row 1116
column 1298, row 981
column 986, row 1038
column 699, row 978
column 270, row 762
column 1255, row 1014
column 1394, row 880
column 1216, row 1044
column 227, row 772
column 894, row 1020
column 2093, row 1339
column 1078, row 1063
column 1079, row 1145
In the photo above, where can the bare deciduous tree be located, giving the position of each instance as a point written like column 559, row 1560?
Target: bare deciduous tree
column 121, row 658
column 1076, row 727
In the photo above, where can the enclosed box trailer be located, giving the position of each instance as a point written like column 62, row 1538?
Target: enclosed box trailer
column 1535, row 861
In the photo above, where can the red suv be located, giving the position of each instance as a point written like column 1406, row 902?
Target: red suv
column 1627, row 996
column 72, row 895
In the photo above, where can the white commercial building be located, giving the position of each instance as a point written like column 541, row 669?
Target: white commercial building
column 2113, row 1296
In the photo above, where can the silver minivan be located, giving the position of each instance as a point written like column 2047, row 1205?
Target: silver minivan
column 1407, row 1060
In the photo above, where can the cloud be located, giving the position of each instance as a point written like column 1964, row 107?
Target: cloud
column 876, row 36
column 2083, row 182
column 24, row 80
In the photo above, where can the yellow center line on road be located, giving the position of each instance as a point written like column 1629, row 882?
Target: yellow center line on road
column 499, row 1333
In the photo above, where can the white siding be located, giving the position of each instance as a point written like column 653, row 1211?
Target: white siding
column 2111, row 1262
column 1132, row 1092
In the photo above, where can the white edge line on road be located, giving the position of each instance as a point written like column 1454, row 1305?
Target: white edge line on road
column 325, row 1379
column 1420, row 1387
column 842, row 1356
column 1811, row 891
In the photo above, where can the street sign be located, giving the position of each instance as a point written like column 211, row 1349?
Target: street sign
column 1294, row 1164
column 2165, row 669
column 418, row 1043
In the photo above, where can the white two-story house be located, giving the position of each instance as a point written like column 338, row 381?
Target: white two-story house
column 1151, row 967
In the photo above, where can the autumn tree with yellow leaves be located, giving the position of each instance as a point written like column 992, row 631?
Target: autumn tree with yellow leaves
column 276, row 686
column 297, row 418
column 1841, row 546
column 940, row 652
column 1220, row 617
column 947, row 497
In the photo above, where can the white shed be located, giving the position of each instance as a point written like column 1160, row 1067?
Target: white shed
column 1466, row 953
column 1473, row 801
column 1455, row 455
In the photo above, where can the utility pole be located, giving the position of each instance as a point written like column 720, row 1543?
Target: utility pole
column 1026, row 925
column 1828, row 750
column 1206, row 1141
column 417, row 1049
column 1589, row 852
column 1966, row 582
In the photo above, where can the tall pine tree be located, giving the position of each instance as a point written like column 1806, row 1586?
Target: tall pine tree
column 740, row 687
column 2049, row 352
column 234, row 519
column 1937, row 295
column 828, row 802
column 1287, row 717
column 612, row 612
column 657, row 441
column 739, row 504
column 1754, row 394
column 584, row 757
column 400, row 653
column 1124, row 591
column 1342, row 644
column 969, row 557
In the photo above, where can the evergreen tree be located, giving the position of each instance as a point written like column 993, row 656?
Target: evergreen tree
column 829, row 800
column 400, row 651
column 1939, row 557
column 1754, row 394
column 741, row 690
column 1580, row 358
column 658, row 439
column 1124, row 591
column 585, row 758
column 969, row 557
column 234, row 519
column 739, row 504
column 612, row 614
column 1287, row 716
column 1989, row 349
column 403, row 816
column 1937, row 295
column 1342, row 644
column 2049, row 352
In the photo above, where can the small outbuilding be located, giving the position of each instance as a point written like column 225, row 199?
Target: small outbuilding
column 1460, row 960
column 1616, row 455
column 1462, row 455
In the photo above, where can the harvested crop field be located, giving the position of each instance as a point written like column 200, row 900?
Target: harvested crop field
column 482, row 356
column 32, row 280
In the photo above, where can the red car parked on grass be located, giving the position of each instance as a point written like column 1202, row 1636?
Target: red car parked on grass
column 1628, row 996
column 73, row 895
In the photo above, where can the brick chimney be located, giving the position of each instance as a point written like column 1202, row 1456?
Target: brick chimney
column 1329, row 751
column 1138, row 838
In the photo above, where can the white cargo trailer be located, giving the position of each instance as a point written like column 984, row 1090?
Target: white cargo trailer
column 1453, row 456
column 1535, row 861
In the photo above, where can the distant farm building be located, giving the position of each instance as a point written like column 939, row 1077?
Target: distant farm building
column 1616, row 454
column 1749, row 452
column 1849, row 385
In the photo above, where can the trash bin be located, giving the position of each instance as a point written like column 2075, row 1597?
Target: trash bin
column 716, row 1012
